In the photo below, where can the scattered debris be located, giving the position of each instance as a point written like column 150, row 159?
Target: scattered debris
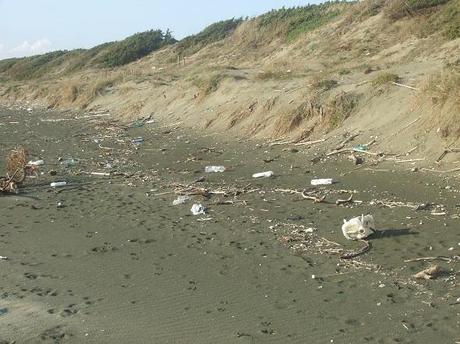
column 447, row 151
column 181, row 200
column 67, row 162
column 267, row 174
column 313, row 197
column 16, row 170
column 425, row 259
column 327, row 181
column 358, row 228
column 357, row 160
column 58, row 184
column 362, row 250
column 344, row 201
column 432, row 272
column 214, row 169
column 137, row 141
column 36, row 163
column 198, row 209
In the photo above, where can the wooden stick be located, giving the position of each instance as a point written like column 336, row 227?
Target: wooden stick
column 344, row 142
column 367, row 246
column 408, row 160
column 344, row 201
column 424, row 259
column 401, row 85
column 309, row 143
column 448, row 171
column 315, row 199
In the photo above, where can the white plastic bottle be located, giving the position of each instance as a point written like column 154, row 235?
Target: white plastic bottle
column 36, row 163
column 267, row 174
column 214, row 169
column 58, row 184
column 326, row 181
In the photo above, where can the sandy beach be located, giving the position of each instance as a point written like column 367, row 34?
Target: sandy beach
column 109, row 259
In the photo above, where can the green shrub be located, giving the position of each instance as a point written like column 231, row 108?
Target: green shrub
column 35, row 66
column 297, row 20
column 7, row 64
column 213, row 33
column 134, row 47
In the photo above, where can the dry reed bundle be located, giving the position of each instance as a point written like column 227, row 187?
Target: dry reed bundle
column 16, row 163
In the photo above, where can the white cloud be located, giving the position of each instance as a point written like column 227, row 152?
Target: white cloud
column 34, row 48
column 1, row 47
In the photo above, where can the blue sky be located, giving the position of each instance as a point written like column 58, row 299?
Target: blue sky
column 29, row 27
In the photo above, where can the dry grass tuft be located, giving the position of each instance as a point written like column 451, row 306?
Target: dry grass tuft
column 442, row 88
column 290, row 121
column 16, row 162
column 385, row 78
column 339, row 108
column 96, row 89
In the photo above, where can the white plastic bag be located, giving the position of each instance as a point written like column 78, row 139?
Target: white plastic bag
column 198, row 209
column 181, row 200
column 359, row 227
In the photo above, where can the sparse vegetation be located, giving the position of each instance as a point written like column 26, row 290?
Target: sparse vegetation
column 385, row 78
column 443, row 87
column 340, row 107
column 397, row 9
column 325, row 84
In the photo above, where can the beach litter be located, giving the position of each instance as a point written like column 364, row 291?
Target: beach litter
column 181, row 200
column 324, row 181
column 58, row 184
column 432, row 272
column 137, row 141
column 358, row 228
column 360, row 148
column 36, row 162
column 214, row 169
column 3, row 258
column 198, row 209
column 68, row 162
column 16, row 170
column 267, row 174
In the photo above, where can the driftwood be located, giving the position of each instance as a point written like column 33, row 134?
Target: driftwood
column 447, row 151
column 405, row 86
column 425, row 259
column 344, row 142
column 314, row 198
column 305, row 194
column 344, row 201
column 350, row 255
column 436, row 171
column 430, row 273
column 309, row 143
column 295, row 143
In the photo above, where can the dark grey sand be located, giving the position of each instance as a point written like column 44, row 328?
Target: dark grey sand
column 119, row 264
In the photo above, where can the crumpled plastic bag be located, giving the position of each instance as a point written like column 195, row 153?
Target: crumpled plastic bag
column 358, row 228
column 198, row 209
